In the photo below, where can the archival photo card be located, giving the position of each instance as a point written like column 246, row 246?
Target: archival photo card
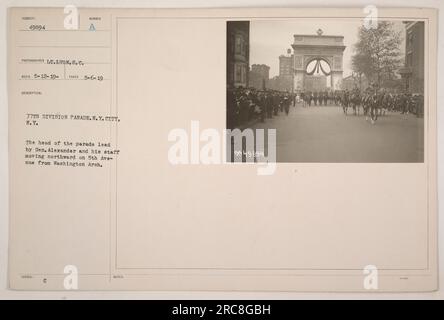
column 273, row 149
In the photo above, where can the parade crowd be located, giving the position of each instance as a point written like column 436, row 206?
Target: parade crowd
column 376, row 102
column 248, row 104
column 244, row 105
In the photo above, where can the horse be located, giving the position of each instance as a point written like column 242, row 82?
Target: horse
column 355, row 101
column 365, row 102
column 345, row 102
column 374, row 105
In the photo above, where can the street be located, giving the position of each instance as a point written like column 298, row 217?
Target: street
column 325, row 134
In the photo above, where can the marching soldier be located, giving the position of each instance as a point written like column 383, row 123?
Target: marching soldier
column 269, row 105
column 286, row 104
column 276, row 104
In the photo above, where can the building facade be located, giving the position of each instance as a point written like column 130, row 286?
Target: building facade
column 283, row 81
column 259, row 76
column 286, row 73
column 286, row 66
column 413, row 71
column 238, row 53
column 355, row 82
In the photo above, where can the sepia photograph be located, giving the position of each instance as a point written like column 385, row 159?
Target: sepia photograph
column 333, row 90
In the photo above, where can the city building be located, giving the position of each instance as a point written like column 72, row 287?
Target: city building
column 286, row 65
column 280, row 84
column 238, row 53
column 259, row 76
column 285, row 81
column 349, row 83
column 413, row 70
column 355, row 81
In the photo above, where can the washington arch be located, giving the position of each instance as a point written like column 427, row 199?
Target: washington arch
column 319, row 47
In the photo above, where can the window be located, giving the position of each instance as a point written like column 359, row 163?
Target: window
column 239, row 44
column 238, row 73
column 409, row 59
column 244, row 74
column 410, row 40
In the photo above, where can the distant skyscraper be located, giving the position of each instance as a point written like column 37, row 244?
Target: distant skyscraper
column 285, row 65
column 284, row 82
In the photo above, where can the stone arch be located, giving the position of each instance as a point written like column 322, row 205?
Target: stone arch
column 307, row 48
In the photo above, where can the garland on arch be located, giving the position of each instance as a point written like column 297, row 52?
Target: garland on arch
column 316, row 68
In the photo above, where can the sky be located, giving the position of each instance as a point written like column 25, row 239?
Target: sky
column 271, row 38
